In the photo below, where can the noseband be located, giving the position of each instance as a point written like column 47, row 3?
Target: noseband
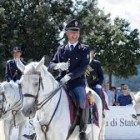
column 51, row 94
column 40, row 84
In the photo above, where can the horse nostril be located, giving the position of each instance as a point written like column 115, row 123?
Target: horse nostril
column 30, row 112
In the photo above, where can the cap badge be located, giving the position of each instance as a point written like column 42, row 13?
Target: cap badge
column 76, row 23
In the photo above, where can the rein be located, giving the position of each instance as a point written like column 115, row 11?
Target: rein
column 13, row 108
column 52, row 93
column 45, row 127
column 49, row 97
column 33, row 96
column 17, row 104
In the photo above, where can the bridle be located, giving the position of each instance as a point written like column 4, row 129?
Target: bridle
column 45, row 127
column 40, row 84
column 49, row 97
column 14, row 109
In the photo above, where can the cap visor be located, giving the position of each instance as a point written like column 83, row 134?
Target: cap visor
column 73, row 29
column 16, row 51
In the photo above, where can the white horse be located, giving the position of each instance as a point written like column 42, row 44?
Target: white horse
column 104, row 118
column 11, row 103
column 44, row 97
column 136, row 104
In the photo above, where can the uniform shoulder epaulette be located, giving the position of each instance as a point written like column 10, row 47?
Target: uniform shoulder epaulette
column 60, row 47
column 97, row 61
column 8, row 61
column 85, row 46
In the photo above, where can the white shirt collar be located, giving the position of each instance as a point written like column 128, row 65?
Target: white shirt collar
column 73, row 44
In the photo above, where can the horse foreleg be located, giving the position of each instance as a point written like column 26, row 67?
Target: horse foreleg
column 2, row 134
column 39, row 134
column 102, row 132
column 20, row 131
column 7, row 129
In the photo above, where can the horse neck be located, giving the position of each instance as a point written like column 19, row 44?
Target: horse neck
column 48, row 84
column 12, row 97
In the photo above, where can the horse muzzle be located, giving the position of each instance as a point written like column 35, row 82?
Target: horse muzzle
column 29, row 111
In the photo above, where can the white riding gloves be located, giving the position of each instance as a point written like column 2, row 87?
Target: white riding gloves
column 65, row 79
column 62, row 66
column 11, row 82
column 98, row 86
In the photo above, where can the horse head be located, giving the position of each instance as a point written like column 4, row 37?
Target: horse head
column 9, row 96
column 34, row 76
column 136, row 105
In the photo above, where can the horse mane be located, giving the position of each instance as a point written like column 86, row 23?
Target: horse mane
column 31, row 69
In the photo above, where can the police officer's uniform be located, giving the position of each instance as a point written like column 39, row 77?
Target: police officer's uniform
column 12, row 72
column 95, row 76
column 78, row 59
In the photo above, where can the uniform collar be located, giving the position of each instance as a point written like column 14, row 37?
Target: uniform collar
column 73, row 44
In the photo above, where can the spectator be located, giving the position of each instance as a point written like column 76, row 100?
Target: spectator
column 119, row 92
column 114, row 90
column 109, row 93
column 125, row 98
column 94, row 74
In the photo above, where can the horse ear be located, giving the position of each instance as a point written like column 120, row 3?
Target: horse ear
column 20, row 65
column 41, row 62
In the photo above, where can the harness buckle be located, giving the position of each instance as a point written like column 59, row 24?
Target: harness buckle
column 44, row 128
column 14, row 112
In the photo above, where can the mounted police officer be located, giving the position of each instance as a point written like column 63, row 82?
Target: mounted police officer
column 12, row 72
column 72, row 60
column 94, row 74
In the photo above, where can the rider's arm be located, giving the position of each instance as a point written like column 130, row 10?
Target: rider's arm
column 56, row 59
column 100, row 73
column 80, row 70
column 7, row 72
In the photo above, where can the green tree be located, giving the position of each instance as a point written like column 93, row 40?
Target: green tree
column 117, row 44
column 35, row 25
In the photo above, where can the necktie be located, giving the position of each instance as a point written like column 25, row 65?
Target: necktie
column 71, row 47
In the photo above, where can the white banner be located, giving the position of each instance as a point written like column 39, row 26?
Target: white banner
column 120, row 125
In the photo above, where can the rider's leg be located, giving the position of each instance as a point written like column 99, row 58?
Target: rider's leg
column 80, row 95
column 100, row 93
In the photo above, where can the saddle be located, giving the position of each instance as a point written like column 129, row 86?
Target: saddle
column 74, row 112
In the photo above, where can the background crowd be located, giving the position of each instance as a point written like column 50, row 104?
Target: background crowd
column 118, row 96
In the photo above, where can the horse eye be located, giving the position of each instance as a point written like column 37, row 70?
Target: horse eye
column 35, row 84
column 20, row 85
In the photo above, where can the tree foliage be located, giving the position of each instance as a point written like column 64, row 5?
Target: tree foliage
column 38, row 26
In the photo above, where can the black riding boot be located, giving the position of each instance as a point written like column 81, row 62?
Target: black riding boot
column 84, row 116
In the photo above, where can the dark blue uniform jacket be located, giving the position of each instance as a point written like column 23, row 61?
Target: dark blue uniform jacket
column 96, row 74
column 78, row 59
column 12, row 72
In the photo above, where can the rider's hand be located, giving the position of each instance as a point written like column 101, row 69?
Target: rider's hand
column 98, row 86
column 18, row 81
column 11, row 82
column 88, row 70
column 62, row 66
column 65, row 79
